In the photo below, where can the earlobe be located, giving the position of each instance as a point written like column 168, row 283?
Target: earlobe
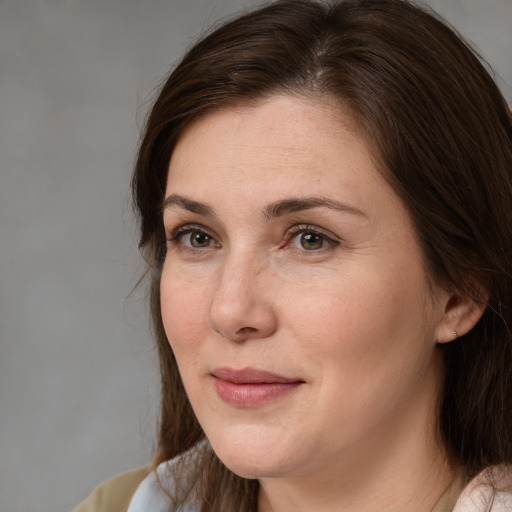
column 461, row 314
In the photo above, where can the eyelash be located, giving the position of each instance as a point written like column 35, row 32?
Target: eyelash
column 294, row 233
column 188, row 229
column 291, row 234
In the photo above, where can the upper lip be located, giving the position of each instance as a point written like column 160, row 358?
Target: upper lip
column 251, row 376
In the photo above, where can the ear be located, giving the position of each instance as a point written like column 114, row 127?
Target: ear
column 461, row 314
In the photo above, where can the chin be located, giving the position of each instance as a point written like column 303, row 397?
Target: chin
column 254, row 469
column 253, row 455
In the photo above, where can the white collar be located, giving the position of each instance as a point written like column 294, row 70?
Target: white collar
column 153, row 494
column 478, row 496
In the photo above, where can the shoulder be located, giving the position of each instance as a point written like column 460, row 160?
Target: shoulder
column 114, row 495
column 171, row 487
column 490, row 491
column 144, row 490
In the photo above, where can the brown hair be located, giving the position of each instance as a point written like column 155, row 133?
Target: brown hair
column 442, row 134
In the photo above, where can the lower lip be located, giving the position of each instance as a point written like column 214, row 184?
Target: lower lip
column 253, row 395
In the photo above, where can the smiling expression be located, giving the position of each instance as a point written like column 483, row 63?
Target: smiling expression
column 293, row 291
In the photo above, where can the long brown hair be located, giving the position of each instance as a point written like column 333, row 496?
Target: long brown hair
column 442, row 134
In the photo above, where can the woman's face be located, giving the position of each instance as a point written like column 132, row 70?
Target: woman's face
column 293, row 292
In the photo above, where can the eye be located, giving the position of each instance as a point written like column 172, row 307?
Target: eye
column 196, row 239
column 311, row 241
column 193, row 237
column 307, row 238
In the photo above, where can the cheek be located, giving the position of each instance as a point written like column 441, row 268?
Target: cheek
column 365, row 331
column 184, row 306
column 370, row 353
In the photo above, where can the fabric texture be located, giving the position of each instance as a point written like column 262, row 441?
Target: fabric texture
column 142, row 491
column 154, row 493
column 114, row 495
column 480, row 496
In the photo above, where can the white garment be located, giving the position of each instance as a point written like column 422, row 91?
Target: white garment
column 150, row 496
column 477, row 496
column 153, row 493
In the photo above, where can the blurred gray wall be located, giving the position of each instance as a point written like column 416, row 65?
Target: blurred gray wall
column 78, row 379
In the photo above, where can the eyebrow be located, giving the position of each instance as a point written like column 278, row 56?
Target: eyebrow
column 273, row 210
column 292, row 205
column 188, row 204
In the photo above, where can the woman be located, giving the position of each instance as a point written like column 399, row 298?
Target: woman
column 325, row 196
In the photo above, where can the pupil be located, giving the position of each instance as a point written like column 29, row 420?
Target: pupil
column 199, row 239
column 311, row 241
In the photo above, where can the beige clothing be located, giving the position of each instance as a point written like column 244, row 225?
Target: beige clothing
column 115, row 495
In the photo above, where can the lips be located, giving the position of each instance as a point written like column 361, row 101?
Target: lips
column 250, row 387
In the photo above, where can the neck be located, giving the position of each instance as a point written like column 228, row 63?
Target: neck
column 404, row 487
column 401, row 468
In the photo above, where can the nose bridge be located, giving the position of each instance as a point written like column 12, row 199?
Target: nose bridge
column 237, row 287
column 240, row 307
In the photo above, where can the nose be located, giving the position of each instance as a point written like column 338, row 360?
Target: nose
column 242, row 308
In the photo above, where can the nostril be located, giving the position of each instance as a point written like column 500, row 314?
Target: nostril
column 244, row 333
column 247, row 330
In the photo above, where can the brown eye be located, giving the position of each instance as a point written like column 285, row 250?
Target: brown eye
column 308, row 238
column 191, row 237
column 198, row 239
column 311, row 241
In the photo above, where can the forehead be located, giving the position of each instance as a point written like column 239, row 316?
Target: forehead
column 288, row 139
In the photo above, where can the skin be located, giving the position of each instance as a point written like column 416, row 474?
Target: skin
column 333, row 297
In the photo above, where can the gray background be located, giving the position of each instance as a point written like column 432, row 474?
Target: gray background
column 78, row 379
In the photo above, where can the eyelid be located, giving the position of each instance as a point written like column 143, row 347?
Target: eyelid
column 176, row 233
column 184, row 229
column 293, row 231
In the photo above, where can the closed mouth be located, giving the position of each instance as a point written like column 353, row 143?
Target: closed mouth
column 252, row 376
